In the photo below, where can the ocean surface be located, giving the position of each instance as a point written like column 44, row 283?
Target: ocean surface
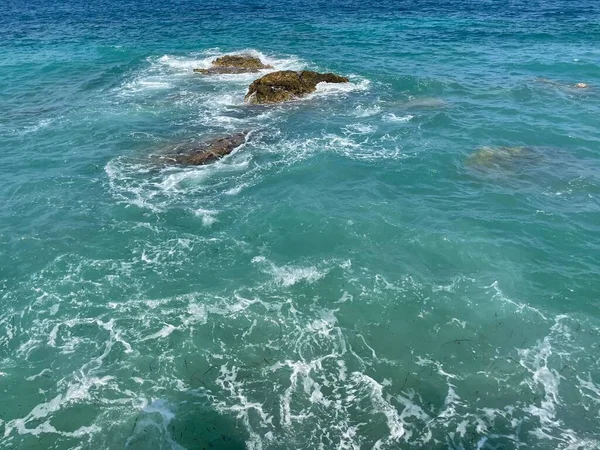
column 407, row 261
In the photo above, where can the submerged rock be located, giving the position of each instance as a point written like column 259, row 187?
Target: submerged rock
column 488, row 157
column 286, row 85
column 209, row 151
column 231, row 64
column 563, row 85
column 426, row 103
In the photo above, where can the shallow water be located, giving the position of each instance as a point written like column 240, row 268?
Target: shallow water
column 349, row 278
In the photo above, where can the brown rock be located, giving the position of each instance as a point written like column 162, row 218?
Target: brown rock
column 224, row 70
column 286, row 85
column 230, row 64
column 241, row 61
column 210, row 151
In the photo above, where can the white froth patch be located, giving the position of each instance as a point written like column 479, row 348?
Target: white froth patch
column 366, row 111
column 161, row 407
column 197, row 314
column 41, row 374
column 520, row 307
column 391, row 117
column 184, row 63
column 382, row 406
column 208, row 216
column 323, row 325
column 353, row 144
column 157, row 414
column 204, row 61
column 461, row 429
column 41, row 124
column 125, row 187
column 54, row 309
column 76, row 391
column 174, row 181
column 289, row 275
column 236, row 190
column 460, row 323
column 424, row 362
column 325, row 89
column 242, row 408
column 588, row 387
column 452, row 400
column 288, row 62
column 343, row 142
column 166, row 331
column 345, row 298
column 360, row 128
column 173, row 71
column 144, row 85
column 536, row 361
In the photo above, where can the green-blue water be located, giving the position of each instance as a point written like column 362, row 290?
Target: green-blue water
column 370, row 270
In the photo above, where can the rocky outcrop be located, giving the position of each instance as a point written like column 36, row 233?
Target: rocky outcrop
column 209, row 151
column 231, row 64
column 286, row 85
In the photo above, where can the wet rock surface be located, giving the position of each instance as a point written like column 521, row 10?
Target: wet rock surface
column 232, row 64
column 209, row 151
column 287, row 85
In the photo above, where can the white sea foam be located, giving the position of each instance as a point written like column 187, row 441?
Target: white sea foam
column 520, row 307
column 164, row 332
column 76, row 391
column 156, row 414
column 321, row 375
column 290, row 275
column 172, row 71
column 41, row 124
column 461, row 323
column 589, row 389
column 243, row 407
column 350, row 145
column 382, row 406
column 41, row 374
column 359, row 128
column 209, row 216
column 204, row 60
column 391, row 117
column 367, row 111
column 355, row 85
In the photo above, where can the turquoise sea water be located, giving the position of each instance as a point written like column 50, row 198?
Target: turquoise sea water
column 355, row 276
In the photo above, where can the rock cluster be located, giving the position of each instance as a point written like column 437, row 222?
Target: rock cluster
column 273, row 87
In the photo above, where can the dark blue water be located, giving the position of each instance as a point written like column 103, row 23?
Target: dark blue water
column 409, row 260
